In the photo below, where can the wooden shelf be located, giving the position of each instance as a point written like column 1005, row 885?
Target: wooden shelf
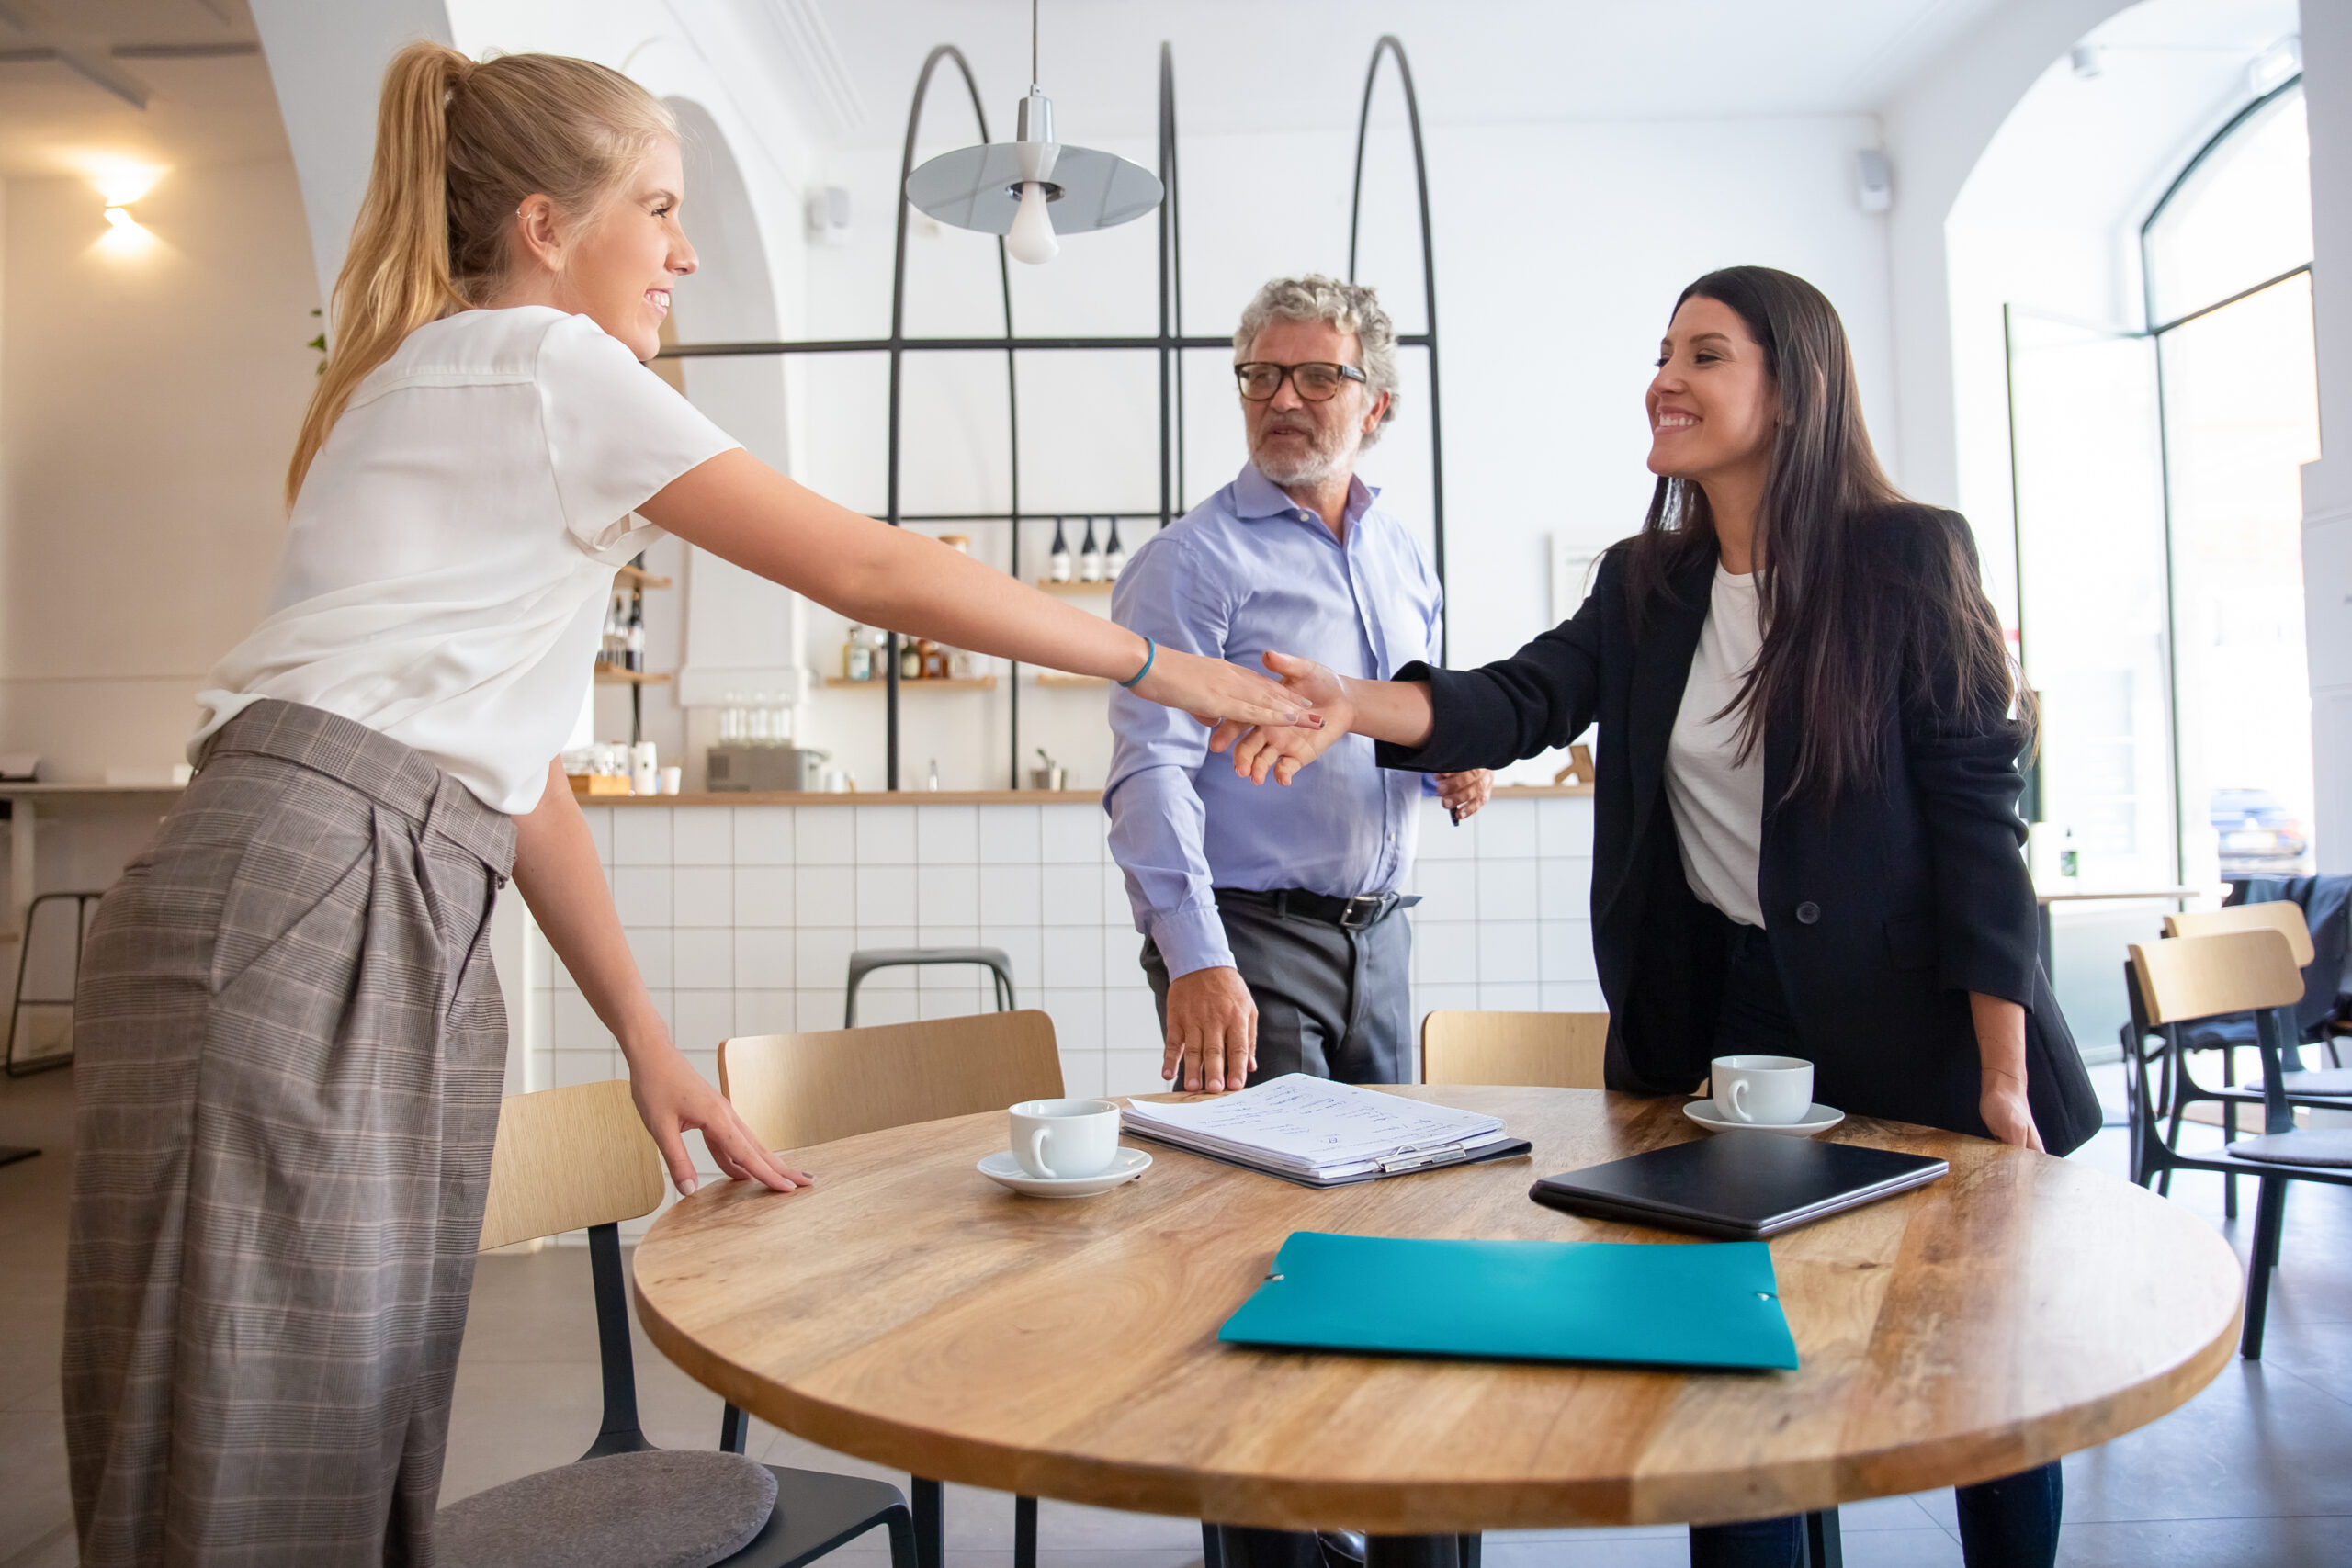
column 641, row 578
column 613, row 675
column 1056, row 678
column 936, row 683
column 1074, row 587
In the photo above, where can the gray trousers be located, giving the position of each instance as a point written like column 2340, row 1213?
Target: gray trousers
column 289, row 1048
column 1331, row 1002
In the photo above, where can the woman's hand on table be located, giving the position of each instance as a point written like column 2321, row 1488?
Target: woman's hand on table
column 2001, row 1050
column 673, row 1099
column 2008, row 1116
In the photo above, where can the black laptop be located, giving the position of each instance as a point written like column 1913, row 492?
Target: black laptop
column 1737, row 1186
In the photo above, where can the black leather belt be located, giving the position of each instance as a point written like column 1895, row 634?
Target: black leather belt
column 1360, row 913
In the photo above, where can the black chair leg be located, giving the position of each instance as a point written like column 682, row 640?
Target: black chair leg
column 2269, row 1215
column 902, row 1540
column 1473, row 1549
column 931, row 1524
column 1824, row 1546
column 734, row 1430
column 1212, row 1547
column 1025, row 1532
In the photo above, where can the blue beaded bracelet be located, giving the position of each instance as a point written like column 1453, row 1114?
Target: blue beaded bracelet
column 1151, row 652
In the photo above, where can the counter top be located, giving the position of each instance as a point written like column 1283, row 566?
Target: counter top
column 964, row 796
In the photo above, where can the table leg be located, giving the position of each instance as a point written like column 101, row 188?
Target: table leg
column 931, row 1524
column 1822, row 1546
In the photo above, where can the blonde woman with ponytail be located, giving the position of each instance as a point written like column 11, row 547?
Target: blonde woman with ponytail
column 291, row 1045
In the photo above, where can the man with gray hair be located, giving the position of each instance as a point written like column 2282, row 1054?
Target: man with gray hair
column 1268, row 914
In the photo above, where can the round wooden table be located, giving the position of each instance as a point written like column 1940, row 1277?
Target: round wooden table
column 908, row 1311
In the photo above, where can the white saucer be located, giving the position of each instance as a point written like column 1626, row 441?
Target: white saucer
column 1005, row 1171
column 1816, row 1119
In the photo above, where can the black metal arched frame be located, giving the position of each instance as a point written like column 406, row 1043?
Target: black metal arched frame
column 1169, row 342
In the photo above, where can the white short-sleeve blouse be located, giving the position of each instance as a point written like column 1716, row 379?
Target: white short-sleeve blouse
column 448, row 560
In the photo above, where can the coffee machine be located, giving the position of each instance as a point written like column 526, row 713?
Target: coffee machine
column 766, row 769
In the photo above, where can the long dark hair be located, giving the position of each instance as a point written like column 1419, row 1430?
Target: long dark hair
column 1848, row 610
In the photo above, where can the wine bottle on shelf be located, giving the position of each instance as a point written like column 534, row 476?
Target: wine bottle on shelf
column 1089, row 557
column 935, row 660
column 910, row 660
column 1058, row 563
column 858, row 659
column 1115, row 555
column 633, row 636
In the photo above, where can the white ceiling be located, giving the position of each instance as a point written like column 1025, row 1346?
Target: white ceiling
column 56, row 120
column 1247, row 65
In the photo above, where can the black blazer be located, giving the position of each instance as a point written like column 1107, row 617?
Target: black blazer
column 1885, row 908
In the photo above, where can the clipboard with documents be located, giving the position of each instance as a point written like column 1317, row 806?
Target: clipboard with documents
column 1321, row 1134
column 1712, row 1306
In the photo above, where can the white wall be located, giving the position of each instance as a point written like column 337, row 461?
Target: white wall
column 1560, row 249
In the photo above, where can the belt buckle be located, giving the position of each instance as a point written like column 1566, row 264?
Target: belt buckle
column 1362, row 912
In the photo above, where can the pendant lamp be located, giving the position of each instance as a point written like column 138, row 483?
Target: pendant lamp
column 1033, row 189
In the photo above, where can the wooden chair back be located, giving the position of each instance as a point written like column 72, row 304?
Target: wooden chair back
column 798, row 1089
column 2206, row 976
column 2283, row 916
column 1547, row 1050
column 567, row 1159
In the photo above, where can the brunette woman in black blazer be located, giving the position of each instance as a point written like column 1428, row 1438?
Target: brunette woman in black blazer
column 1805, row 832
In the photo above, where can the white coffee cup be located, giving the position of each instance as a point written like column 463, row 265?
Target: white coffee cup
column 1764, row 1091
column 1064, row 1138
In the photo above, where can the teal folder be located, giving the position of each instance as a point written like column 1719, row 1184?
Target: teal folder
column 1706, row 1305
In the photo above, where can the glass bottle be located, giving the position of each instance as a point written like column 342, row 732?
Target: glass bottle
column 910, row 660
column 935, row 660
column 1089, row 557
column 780, row 721
column 1058, row 563
column 756, row 732
column 858, row 659
column 730, row 720
column 933, row 782
column 633, row 636
column 1115, row 555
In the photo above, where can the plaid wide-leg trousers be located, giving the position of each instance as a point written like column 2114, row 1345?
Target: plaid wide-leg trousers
column 289, row 1046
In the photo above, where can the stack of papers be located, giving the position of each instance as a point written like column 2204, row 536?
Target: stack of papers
column 1313, row 1131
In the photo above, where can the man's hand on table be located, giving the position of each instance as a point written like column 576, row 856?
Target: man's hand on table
column 1212, row 1032
column 1463, row 794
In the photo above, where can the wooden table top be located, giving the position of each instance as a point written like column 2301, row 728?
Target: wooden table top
column 908, row 1311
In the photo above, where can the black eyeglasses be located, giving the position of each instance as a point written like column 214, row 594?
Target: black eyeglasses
column 1317, row 381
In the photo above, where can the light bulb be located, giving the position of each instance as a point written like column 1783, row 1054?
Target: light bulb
column 1031, row 239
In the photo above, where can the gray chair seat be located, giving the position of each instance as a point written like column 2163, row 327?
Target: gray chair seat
column 2326, row 1080
column 666, row 1508
column 2329, row 1147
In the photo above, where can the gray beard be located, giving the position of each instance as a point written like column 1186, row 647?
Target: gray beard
column 1307, row 468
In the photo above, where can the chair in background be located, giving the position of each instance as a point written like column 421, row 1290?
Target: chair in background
column 2186, row 979
column 2331, row 1087
column 1548, row 1050
column 795, row 1091
column 867, row 960
column 573, row 1158
column 16, row 1066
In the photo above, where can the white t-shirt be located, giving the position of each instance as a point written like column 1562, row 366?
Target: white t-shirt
column 1718, row 800
column 449, row 558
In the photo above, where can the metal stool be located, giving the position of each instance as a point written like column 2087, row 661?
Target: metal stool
column 867, row 960
column 82, row 902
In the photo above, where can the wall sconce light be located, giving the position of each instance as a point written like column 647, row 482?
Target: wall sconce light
column 120, row 217
column 120, row 185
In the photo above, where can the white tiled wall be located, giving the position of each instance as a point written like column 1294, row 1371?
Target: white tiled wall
column 743, row 919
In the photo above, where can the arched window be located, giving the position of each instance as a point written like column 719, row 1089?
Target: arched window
column 2227, row 256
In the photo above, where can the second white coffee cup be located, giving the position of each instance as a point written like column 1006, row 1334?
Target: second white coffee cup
column 1064, row 1138
column 1764, row 1091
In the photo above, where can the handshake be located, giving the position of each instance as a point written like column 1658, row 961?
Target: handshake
column 1384, row 710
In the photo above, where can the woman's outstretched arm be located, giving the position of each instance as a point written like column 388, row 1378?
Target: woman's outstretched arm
column 738, row 507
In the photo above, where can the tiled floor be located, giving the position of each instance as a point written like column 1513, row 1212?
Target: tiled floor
column 2251, row 1471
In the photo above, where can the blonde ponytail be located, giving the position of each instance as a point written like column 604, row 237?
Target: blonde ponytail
column 459, row 147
